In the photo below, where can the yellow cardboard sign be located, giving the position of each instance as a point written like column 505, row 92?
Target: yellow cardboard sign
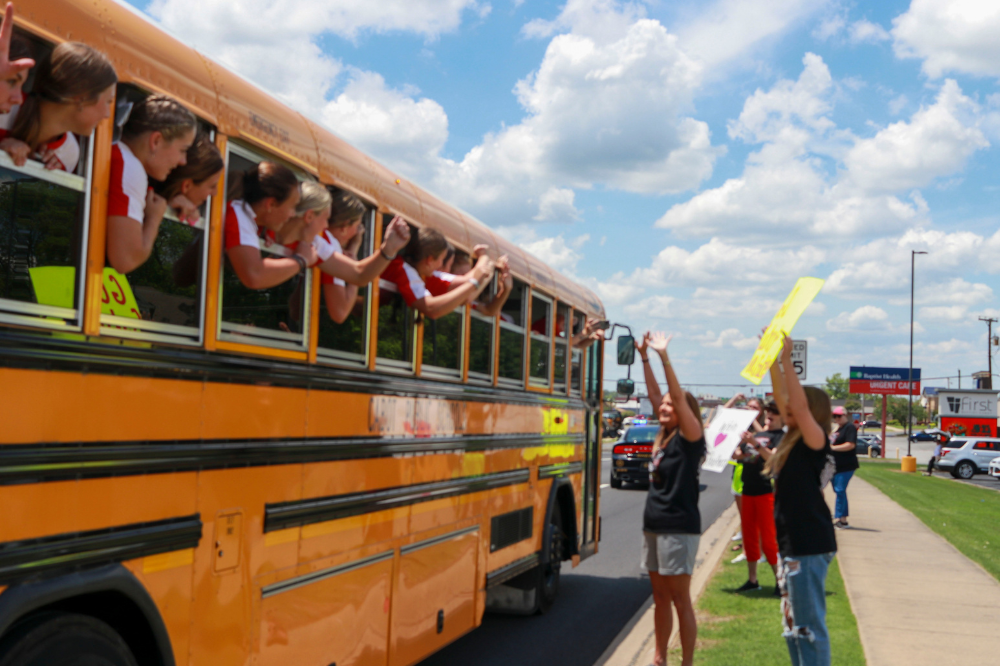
column 116, row 296
column 803, row 293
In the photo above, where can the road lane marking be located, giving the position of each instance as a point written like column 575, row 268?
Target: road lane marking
column 605, row 485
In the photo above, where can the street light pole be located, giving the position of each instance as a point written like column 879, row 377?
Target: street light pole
column 909, row 405
column 989, row 350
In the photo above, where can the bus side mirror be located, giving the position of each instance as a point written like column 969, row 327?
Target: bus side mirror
column 626, row 350
column 626, row 387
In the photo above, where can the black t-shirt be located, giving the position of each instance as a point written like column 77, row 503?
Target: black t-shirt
column 800, row 511
column 672, row 501
column 754, row 481
column 846, row 460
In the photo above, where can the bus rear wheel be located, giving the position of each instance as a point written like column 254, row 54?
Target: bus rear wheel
column 548, row 579
column 64, row 639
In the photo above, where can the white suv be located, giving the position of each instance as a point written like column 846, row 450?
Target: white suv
column 965, row 458
column 995, row 468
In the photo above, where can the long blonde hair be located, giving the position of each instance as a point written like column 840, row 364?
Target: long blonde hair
column 663, row 437
column 819, row 407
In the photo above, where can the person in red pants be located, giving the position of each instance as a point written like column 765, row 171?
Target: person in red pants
column 757, row 511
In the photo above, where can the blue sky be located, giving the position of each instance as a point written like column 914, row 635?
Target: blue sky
column 686, row 160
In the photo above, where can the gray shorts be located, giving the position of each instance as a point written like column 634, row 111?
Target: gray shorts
column 669, row 554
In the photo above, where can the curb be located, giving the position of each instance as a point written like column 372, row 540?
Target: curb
column 635, row 643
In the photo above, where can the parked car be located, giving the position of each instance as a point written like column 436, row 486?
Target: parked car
column 612, row 421
column 866, row 442
column 929, row 435
column 965, row 458
column 871, row 424
column 630, row 455
column 994, row 470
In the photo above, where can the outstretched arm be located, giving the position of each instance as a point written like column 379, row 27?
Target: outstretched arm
column 652, row 387
column 798, row 406
column 689, row 422
column 361, row 272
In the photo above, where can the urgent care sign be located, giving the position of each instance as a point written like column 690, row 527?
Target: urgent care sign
column 884, row 381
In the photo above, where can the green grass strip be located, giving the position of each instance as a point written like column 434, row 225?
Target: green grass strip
column 965, row 515
column 745, row 628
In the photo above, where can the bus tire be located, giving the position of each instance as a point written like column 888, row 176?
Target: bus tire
column 64, row 639
column 549, row 572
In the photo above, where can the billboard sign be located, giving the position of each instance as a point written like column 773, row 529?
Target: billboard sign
column 885, row 381
column 973, row 404
column 958, row 426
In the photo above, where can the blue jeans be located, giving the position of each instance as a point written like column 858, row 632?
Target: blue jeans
column 840, row 481
column 802, row 581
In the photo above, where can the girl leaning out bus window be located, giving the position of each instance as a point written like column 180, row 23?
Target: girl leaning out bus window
column 191, row 184
column 268, row 199
column 73, row 91
column 801, row 466
column 414, row 277
column 15, row 61
column 154, row 142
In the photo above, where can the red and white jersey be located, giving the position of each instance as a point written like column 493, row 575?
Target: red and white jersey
column 409, row 283
column 241, row 225
column 66, row 147
column 326, row 246
column 129, row 184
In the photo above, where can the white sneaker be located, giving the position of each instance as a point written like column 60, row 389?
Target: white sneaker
column 742, row 557
column 738, row 537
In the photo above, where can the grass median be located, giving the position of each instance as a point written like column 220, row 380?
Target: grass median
column 965, row 515
column 745, row 628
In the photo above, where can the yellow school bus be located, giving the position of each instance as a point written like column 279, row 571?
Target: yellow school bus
column 192, row 472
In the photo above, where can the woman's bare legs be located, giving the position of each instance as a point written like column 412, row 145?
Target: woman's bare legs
column 673, row 591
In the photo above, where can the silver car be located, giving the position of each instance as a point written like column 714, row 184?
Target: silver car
column 965, row 458
column 995, row 468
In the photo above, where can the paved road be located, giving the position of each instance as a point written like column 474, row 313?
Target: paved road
column 595, row 600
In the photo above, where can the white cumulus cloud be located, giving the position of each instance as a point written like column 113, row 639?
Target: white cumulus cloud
column 950, row 36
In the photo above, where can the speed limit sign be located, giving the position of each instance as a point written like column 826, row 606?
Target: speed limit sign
column 799, row 358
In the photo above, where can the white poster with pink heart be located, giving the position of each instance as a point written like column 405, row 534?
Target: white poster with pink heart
column 723, row 436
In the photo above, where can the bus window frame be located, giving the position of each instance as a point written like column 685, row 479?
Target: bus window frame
column 37, row 315
column 539, row 383
column 440, row 372
column 507, row 382
column 327, row 356
column 251, row 336
column 561, row 387
column 575, row 353
column 473, row 376
column 151, row 331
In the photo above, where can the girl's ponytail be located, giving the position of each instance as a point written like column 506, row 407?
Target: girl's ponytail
column 159, row 113
column 268, row 180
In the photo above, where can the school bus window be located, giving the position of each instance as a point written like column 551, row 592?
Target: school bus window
column 512, row 336
column 396, row 323
column 541, row 340
column 481, row 339
column 561, row 348
column 444, row 339
column 43, row 212
column 346, row 340
column 167, row 289
column 264, row 285
column 594, row 353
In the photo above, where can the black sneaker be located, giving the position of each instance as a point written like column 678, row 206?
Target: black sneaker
column 777, row 590
column 748, row 587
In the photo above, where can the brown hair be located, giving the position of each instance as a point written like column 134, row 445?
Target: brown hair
column 425, row 243
column 19, row 48
column 203, row 161
column 663, row 437
column 73, row 72
column 267, row 180
column 819, row 407
column 159, row 113
column 346, row 208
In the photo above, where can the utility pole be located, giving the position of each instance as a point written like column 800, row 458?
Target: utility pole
column 989, row 356
column 909, row 403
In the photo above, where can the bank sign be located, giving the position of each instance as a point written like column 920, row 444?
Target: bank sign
column 888, row 381
column 971, row 404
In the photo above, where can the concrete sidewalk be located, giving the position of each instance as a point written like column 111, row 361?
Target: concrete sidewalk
column 917, row 599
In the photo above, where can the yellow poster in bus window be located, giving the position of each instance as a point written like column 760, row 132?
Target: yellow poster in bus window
column 803, row 293
column 116, row 296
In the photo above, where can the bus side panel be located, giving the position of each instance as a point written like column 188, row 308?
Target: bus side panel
column 341, row 620
column 167, row 578
column 434, row 598
column 223, row 589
